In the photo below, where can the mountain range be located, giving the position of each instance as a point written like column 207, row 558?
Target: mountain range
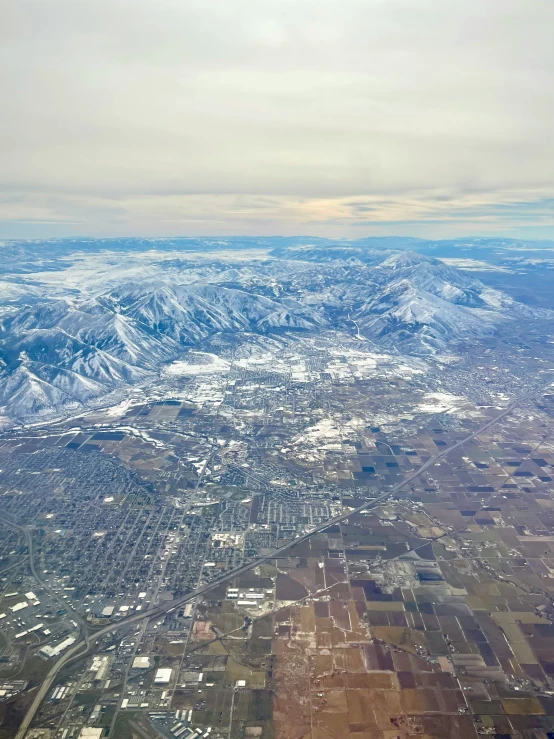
column 73, row 331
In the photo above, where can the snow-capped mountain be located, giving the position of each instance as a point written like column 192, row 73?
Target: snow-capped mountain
column 73, row 332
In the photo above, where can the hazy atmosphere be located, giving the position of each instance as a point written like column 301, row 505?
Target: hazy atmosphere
column 277, row 369
column 331, row 118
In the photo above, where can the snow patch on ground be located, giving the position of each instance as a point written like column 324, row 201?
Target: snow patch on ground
column 121, row 408
column 267, row 361
column 439, row 402
column 200, row 363
column 327, row 435
column 141, row 434
column 496, row 299
column 473, row 265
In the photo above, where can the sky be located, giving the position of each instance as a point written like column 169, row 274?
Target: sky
column 338, row 118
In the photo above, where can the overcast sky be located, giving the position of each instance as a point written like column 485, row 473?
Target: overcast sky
column 326, row 117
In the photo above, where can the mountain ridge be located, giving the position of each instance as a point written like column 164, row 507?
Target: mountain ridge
column 63, row 351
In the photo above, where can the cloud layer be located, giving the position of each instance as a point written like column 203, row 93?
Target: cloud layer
column 277, row 116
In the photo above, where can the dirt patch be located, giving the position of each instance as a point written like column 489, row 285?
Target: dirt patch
column 291, row 706
column 202, row 631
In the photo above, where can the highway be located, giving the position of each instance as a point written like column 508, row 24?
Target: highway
column 89, row 639
column 27, row 533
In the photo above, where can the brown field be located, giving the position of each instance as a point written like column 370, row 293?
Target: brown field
column 339, row 614
column 289, row 589
column 356, row 626
column 354, row 660
column 522, row 706
column 361, row 676
column 306, row 576
column 321, row 609
column 184, row 699
column 377, row 605
column 400, row 637
column 413, row 700
column 324, row 636
column 292, row 707
column 339, row 636
column 361, row 707
column 213, row 648
column 334, row 701
column 330, row 726
column 323, row 664
column 372, row 681
column 307, row 619
column 336, row 680
column 171, row 650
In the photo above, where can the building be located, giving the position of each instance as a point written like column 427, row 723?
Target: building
column 141, row 663
column 100, row 666
column 49, row 651
column 19, row 606
column 163, row 676
column 88, row 732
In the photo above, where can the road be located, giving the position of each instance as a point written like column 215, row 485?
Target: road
column 159, row 610
column 27, row 533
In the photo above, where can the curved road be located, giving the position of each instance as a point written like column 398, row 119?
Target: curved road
column 30, row 548
column 159, row 610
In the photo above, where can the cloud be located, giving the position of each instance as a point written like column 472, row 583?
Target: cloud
column 128, row 116
column 526, row 213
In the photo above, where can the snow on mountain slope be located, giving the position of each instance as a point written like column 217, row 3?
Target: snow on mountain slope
column 75, row 386
column 64, row 352
column 56, row 348
column 26, row 396
column 433, row 276
column 67, row 346
column 420, row 321
column 193, row 312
